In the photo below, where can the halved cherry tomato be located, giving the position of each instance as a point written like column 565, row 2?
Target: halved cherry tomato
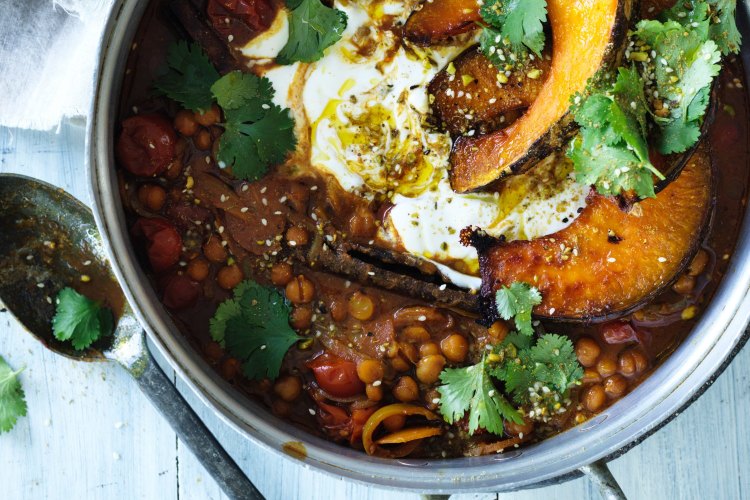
column 241, row 20
column 181, row 292
column 338, row 377
column 164, row 243
column 147, row 145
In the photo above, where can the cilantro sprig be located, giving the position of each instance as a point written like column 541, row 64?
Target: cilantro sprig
column 254, row 328
column 80, row 320
column 537, row 373
column 257, row 133
column 513, row 29
column 12, row 397
column 313, row 27
column 517, row 301
column 611, row 150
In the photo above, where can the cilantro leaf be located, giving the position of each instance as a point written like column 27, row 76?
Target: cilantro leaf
column 550, row 363
column 520, row 23
column 254, row 327
column 80, row 320
column 611, row 151
column 683, row 69
column 471, row 389
column 12, row 398
column 712, row 19
column 237, row 89
column 313, row 27
column 517, row 301
column 251, row 142
column 189, row 78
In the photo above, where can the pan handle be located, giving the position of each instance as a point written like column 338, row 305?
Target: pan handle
column 599, row 474
column 190, row 429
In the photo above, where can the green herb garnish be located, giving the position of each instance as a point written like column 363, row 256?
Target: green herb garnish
column 611, row 151
column 80, row 320
column 514, row 27
column 254, row 328
column 313, row 27
column 517, row 301
column 257, row 133
column 12, row 398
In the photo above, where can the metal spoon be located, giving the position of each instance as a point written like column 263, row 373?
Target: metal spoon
column 48, row 241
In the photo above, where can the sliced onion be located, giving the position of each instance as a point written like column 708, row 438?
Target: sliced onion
column 412, row 434
column 379, row 416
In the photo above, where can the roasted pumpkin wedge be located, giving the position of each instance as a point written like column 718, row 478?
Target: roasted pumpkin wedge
column 587, row 35
column 607, row 262
column 438, row 20
column 472, row 99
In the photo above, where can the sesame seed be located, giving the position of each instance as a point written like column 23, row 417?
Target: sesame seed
column 611, row 259
column 422, row 318
column 377, row 383
column 264, row 222
column 244, row 209
column 661, row 259
column 312, row 412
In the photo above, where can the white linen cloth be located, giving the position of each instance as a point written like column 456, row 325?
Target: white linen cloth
column 48, row 53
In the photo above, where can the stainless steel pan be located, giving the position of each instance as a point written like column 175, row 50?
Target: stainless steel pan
column 674, row 385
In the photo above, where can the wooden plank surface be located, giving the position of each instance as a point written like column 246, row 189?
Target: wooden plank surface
column 90, row 434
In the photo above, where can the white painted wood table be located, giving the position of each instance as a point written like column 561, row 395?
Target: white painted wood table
column 90, row 433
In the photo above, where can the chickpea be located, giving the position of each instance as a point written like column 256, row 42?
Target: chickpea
column 300, row 290
column 301, row 317
column 699, row 263
column 632, row 362
column 152, row 197
column 615, row 386
column 374, row 392
column 229, row 277
column 231, row 368
column 370, row 370
column 210, row 117
column 213, row 351
column 594, row 397
column 394, row 423
column 409, row 351
column 202, row 140
column 606, row 366
column 587, row 351
column 361, row 306
column 415, row 334
column 281, row 408
column 400, row 364
column 455, row 348
column 406, row 390
column 429, row 368
column 684, row 284
column 175, row 169
column 281, row 273
column 590, row 375
column 288, row 388
column 184, row 123
column 297, row 236
column 428, row 348
column 498, row 331
column 214, row 250
column 198, row 269
column 362, row 222
column 339, row 310
column 514, row 429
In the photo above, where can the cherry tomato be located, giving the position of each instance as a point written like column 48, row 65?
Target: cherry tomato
column 336, row 376
column 181, row 292
column 146, row 146
column 241, row 20
column 164, row 243
column 618, row 332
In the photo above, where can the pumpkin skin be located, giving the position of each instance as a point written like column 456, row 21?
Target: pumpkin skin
column 608, row 262
column 490, row 106
column 587, row 36
column 439, row 20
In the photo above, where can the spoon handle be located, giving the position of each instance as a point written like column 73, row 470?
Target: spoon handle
column 190, row 429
